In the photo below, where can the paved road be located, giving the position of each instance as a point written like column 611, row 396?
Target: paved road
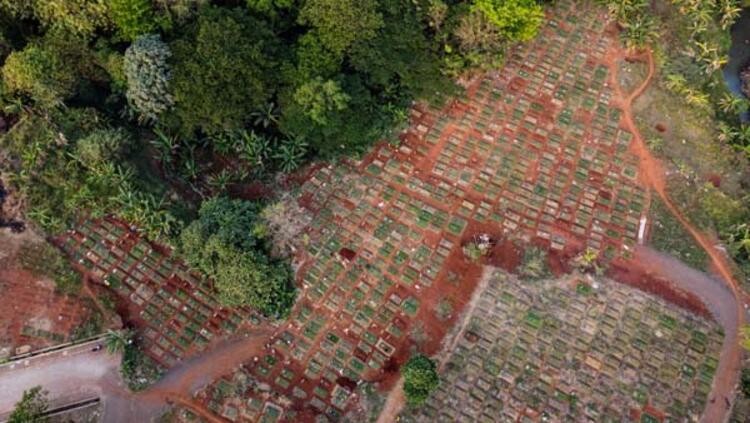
column 72, row 375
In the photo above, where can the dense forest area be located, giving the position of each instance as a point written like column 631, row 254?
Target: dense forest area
column 151, row 109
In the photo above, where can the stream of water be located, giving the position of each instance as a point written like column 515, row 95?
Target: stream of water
column 739, row 55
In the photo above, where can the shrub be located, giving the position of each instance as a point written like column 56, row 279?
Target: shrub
column 226, row 243
column 148, row 74
column 40, row 74
column 133, row 18
column 420, row 379
column 517, row 20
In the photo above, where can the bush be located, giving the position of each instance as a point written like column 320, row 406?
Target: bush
column 138, row 370
column 420, row 379
column 133, row 18
column 227, row 243
column 40, row 74
column 147, row 73
column 31, row 408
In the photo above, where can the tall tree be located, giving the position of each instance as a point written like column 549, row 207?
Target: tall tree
column 420, row 379
column 222, row 70
column 340, row 23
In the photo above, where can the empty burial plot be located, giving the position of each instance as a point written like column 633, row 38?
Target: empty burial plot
column 534, row 151
column 174, row 310
column 571, row 350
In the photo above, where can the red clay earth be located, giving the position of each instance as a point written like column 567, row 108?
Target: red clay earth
column 418, row 162
column 33, row 314
column 655, row 177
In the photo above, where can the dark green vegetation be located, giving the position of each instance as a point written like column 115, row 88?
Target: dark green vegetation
column 420, row 379
column 144, row 109
column 31, row 408
column 138, row 370
column 228, row 244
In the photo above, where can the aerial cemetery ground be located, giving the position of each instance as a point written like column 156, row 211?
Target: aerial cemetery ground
column 536, row 156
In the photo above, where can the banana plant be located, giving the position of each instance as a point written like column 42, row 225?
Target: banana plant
column 730, row 10
column 220, row 181
column 266, row 116
column 290, row 154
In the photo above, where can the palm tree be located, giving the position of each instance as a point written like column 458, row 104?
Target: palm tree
column 219, row 181
column 254, row 148
column 266, row 116
column 726, row 133
column 166, row 145
column 675, row 82
column 290, row 154
column 730, row 11
column 639, row 32
column 730, row 103
column 116, row 341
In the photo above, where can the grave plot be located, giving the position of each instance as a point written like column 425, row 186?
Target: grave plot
column 534, row 151
column 35, row 316
column 172, row 308
column 569, row 350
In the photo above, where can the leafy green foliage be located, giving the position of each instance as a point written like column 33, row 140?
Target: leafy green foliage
column 137, row 369
column 147, row 73
column 221, row 70
column 341, row 23
column 516, row 20
column 132, row 18
column 318, row 98
column 71, row 165
column 420, row 379
column 40, row 74
column 80, row 17
column 31, row 408
column 226, row 243
column 745, row 382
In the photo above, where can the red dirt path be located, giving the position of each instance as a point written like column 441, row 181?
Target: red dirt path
column 654, row 177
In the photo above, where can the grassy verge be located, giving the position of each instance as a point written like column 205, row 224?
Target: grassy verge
column 668, row 235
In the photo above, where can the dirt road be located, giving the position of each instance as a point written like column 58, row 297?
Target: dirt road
column 78, row 373
column 655, row 178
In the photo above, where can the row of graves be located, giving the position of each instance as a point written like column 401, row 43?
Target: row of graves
column 574, row 350
column 535, row 150
column 173, row 309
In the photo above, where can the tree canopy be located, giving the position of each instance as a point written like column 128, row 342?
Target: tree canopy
column 226, row 243
column 420, row 379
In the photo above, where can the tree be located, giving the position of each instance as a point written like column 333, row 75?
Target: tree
column 31, row 408
column 420, row 379
column 132, row 18
column 226, row 244
column 340, row 23
column 101, row 146
column 222, row 70
column 517, row 20
column 40, row 74
column 318, row 98
column 116, row 341
column 148, row 73
column 80, row 17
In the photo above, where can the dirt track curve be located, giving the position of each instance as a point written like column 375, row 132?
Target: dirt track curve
column 654, row 177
